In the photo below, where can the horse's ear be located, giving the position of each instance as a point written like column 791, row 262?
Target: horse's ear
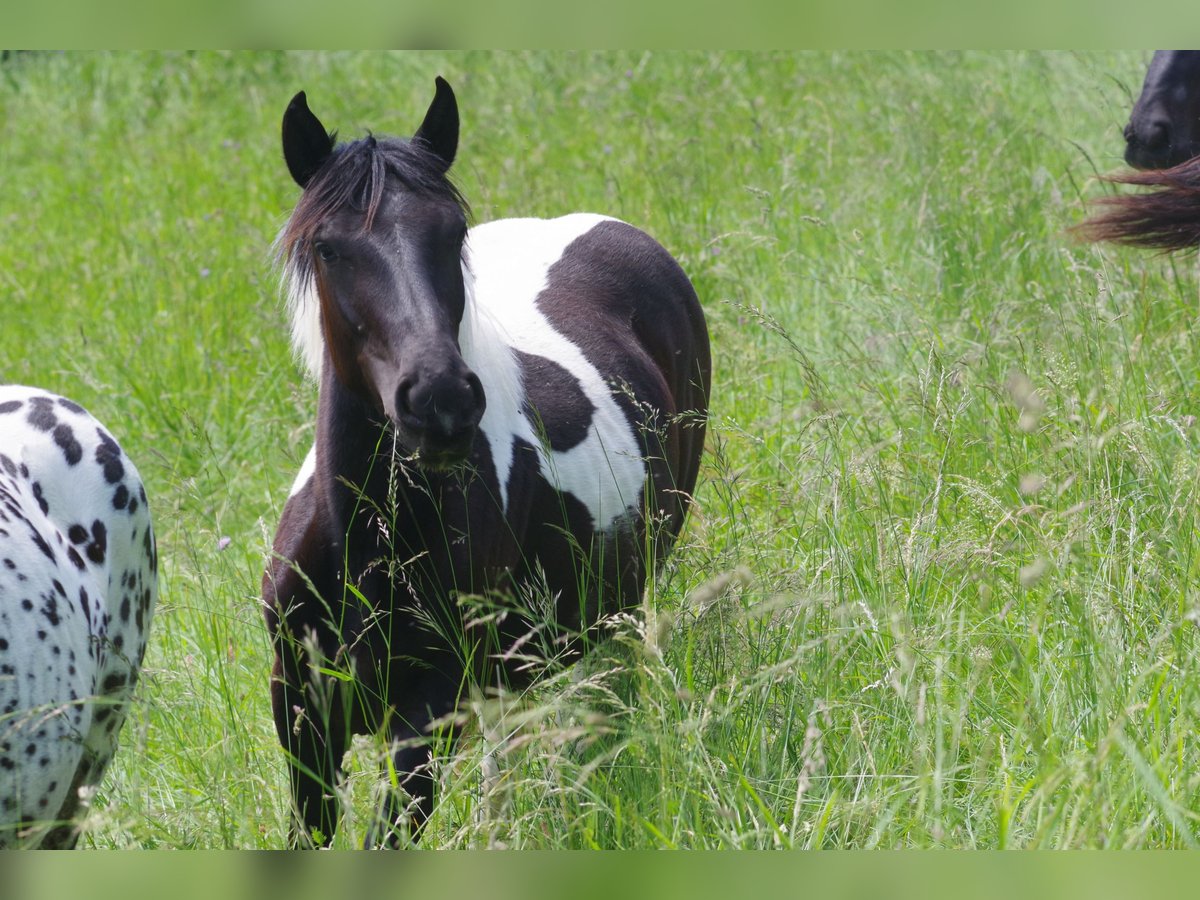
column 439, row 131
column 306, row 143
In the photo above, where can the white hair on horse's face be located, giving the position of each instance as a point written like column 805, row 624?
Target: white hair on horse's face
column 506, row 266
column 304, row 315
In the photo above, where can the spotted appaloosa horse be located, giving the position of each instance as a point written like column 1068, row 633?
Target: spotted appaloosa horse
column 1164, row 125
column 516, row 412
column 77, row 589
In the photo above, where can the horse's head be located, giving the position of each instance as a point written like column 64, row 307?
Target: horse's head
column 1164, row 127
column 374, row 247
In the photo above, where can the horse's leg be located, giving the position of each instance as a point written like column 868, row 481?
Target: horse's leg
column 412, row 757
column 312, row 729
column 412, row 765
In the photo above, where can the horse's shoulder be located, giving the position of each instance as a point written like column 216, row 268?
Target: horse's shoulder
column 299, row 552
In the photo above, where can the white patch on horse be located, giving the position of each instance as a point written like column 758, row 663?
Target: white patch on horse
column 307, row 469
column 304, row 314
column 509, row 261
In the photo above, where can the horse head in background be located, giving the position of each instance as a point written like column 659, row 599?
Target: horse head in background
column 1163, row 141
column 1164, row 126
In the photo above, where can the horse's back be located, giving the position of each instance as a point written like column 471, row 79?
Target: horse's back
column 593, row 351
column 77, row 587
column 580, row 272
column 612, row 291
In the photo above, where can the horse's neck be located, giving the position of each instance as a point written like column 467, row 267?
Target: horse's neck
column 359, row 481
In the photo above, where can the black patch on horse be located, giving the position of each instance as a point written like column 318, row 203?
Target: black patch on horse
column 64, row 436
column 41, row 413
column 40, row 498
column 97, row 549
column 40, row 543
column 623, row 270
column 108, row 455
column 555, row 402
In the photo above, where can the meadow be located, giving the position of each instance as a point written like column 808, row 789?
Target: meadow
column 939, row 586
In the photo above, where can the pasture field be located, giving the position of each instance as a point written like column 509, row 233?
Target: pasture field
column 939, row 588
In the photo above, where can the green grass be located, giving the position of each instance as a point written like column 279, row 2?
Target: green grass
column 940, row 584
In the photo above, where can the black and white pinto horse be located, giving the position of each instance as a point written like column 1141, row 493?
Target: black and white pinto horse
column 78, row 584
column 1164, row 126
column 513, row 412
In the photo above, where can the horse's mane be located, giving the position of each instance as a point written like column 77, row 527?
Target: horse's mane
column 354, row 175
column 1167, row 218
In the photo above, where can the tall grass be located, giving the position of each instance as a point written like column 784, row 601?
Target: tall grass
column 939, row 586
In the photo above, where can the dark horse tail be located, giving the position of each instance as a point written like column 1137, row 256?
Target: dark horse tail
column 1167, row 218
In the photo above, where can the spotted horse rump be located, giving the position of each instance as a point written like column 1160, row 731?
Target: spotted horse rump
column 78, row 585
column 513, row 412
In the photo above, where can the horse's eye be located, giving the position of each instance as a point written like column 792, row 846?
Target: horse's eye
column 324, row 251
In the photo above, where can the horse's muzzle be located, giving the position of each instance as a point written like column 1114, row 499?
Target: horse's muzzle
column 1156, row 138
column 438, row 416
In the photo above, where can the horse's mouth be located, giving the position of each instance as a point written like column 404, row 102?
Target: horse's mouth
column 1140, row 157
column 1158, row 152
column 436, row 452
column 441, row 462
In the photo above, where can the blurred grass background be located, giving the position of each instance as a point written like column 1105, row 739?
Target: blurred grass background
column 939, row 587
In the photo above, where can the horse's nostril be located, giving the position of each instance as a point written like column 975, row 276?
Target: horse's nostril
column 1158, row 134
column 477, row 395
column 442, row 406
column 405, row 395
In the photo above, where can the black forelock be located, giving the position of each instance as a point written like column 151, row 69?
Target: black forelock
column 354, row 176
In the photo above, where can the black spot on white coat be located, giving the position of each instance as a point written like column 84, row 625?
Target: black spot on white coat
column 71, row 448
column 41, row 413
column 554, row 402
